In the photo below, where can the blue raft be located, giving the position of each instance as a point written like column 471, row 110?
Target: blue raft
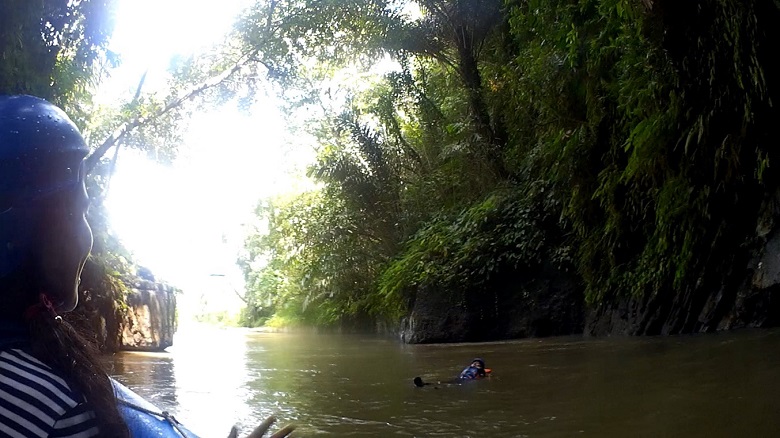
column 146, row 420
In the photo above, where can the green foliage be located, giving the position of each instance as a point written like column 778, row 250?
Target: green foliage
column 508, row 233
column 53, row 49
column 221, row 318
column 630, row 141
column 637, row 131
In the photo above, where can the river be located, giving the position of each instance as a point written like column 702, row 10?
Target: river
column 718, row 385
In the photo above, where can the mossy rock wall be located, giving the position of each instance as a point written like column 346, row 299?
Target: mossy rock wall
column 132, row 313
column 150, row 320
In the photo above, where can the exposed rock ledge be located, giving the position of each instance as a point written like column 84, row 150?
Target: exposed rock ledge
column 135, row 313
column 149, row 322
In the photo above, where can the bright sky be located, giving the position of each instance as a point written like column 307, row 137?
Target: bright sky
column 149, row 32
column 184, row 221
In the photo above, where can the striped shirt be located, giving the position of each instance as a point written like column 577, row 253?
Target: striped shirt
column 36, row 402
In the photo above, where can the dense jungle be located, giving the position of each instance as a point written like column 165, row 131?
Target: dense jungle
column 525, row 168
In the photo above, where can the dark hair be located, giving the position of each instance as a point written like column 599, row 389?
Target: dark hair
column 56, row 343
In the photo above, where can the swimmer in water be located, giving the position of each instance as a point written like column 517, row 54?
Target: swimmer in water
column 475, row 370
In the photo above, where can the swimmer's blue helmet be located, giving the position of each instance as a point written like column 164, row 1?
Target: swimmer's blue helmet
column 36, row 137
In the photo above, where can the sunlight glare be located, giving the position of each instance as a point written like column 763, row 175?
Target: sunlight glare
column 186, row 221
column 158, row 29
column 149, row 33
column 183, row 221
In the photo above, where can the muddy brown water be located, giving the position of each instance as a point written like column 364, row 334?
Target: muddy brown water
column 719, row 385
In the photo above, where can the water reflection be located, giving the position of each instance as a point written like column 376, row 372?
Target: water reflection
column 202, row 380
column 151, row 373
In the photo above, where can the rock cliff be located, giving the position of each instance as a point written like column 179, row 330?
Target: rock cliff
column 149, row 322
column 133, row 313
column 518, row 305
column 745, row 293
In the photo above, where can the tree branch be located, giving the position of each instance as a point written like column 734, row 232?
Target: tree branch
column 121, row 132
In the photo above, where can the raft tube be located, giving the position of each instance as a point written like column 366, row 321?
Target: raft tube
column 146, row 420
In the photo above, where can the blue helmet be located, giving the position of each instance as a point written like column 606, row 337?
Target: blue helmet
column 40, row 152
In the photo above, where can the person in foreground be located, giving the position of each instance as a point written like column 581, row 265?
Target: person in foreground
column 52, row 383
column 475, row 370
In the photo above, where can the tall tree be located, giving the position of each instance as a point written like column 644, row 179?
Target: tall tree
column 50, row 48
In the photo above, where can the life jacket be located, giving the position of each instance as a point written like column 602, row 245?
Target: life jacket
column 469, row 373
